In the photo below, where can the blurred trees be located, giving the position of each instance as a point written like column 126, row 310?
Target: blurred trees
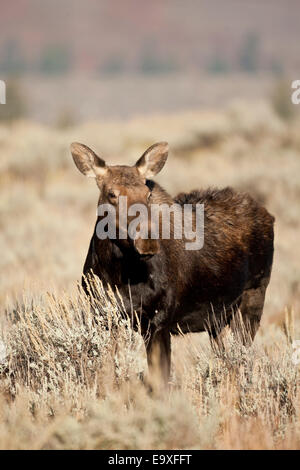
column 218, row 65
column 249, row 54
column 55, row 60
column 152, row 62
column 12, row 61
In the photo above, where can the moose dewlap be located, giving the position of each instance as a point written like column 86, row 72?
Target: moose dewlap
column 171, row 287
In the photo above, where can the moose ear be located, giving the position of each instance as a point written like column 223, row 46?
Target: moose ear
column 153, row 160
column 87, row 161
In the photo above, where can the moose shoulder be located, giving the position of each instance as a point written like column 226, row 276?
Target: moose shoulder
column 172, row 288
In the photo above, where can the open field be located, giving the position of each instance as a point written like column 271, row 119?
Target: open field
column 68, row 382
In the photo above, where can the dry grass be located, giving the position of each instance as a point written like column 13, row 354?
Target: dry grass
column 69, row 375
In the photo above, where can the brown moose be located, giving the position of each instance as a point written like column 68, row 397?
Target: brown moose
column 173, row 289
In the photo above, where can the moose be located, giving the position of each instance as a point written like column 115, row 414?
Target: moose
column 171, row 289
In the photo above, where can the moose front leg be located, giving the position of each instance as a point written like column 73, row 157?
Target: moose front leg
column 156, row 337
column 158, row 348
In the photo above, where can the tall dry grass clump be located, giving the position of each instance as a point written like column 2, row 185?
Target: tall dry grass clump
column 58, row 340
column 70, row 379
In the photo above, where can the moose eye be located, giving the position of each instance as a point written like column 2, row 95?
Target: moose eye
column 112, row 194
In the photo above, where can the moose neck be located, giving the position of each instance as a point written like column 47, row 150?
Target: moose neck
column 159, row 195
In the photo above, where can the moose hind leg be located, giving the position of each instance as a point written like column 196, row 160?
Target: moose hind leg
column 216, row 336
column 246, row 320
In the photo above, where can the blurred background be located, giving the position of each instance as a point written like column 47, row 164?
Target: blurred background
column 68, row 61
column 212, row 78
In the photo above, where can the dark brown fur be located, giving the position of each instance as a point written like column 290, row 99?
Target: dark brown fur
column 193, row 290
